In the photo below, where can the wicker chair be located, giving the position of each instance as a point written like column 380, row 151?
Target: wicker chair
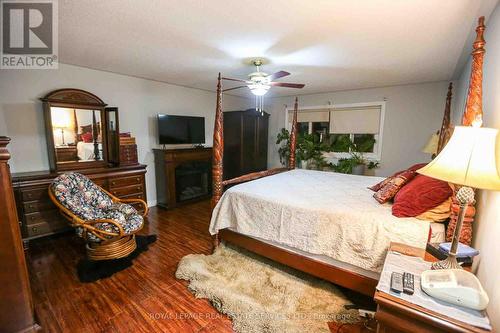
column 108, row 224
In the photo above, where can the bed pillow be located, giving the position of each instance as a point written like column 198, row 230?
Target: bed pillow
column 384, row 182
column 391, row 188
column 420, row 195
column 439, row 213
column 87, row 137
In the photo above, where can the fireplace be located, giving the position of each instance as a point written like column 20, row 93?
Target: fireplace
column 192, row 180
column 182, row 175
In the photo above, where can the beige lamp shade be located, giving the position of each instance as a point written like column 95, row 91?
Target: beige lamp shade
column 61, row 117
column 432, row 145
column 471, row 158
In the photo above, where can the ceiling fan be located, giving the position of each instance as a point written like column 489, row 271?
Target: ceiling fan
column 260, row 82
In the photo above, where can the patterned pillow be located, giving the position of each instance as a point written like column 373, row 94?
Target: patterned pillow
column 391, row 188
column 81, row 196
column 86, row 200
column 384, row 182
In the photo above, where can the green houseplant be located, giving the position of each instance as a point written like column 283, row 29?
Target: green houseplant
column 283, row 139
column 309, row 149
column 356, row 163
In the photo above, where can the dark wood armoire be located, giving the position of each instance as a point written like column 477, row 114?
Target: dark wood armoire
column 245, row 142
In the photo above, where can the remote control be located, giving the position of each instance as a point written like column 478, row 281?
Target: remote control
column 397, row 282
column 408, row 283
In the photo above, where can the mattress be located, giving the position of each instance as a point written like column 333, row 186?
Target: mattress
column 321, row 213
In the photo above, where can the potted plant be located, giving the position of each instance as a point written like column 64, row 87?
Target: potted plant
column 283, row 139
column 309, row 149
column 356, row 164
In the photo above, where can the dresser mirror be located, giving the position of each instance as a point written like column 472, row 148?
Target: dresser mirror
column 76, row 127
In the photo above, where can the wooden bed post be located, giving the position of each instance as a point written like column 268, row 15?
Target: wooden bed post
column 293, row 136
column 473, row 113
column 473, row 116
column 445, row 132
column 218, row 153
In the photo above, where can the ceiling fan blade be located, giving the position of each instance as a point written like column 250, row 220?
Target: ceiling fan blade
column 231, row 79
column 277, row 75
column 287, row 85
column 234, row 88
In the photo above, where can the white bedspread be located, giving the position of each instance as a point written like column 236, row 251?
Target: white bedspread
column 318, row 212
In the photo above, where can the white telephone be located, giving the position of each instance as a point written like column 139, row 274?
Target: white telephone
column 455, row 286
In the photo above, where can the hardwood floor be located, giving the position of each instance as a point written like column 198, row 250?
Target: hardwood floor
column 143, row 298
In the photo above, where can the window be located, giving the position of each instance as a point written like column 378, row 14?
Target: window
column 302, row 128
column 359, row 123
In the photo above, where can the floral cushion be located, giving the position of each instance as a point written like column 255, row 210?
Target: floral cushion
column 87, row 201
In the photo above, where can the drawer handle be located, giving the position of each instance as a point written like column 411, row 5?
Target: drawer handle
column 32, row 218
column 137, row 179
column 34, row 229
column 30, row 195
column 138, row 187
column 30, row 206
column 114, row 183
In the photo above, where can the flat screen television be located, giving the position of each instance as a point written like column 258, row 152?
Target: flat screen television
column 181, row 129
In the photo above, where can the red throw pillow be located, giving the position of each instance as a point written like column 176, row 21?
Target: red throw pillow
column 87, row 137
column 389, row 190
column 378, row 186
column 420, row 195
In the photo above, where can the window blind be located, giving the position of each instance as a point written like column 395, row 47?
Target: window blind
column 365, row 120
column 305, row 116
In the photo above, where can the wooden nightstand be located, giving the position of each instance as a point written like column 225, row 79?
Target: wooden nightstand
column 396, row 315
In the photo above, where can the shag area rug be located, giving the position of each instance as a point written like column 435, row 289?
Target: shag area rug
column 262, row 296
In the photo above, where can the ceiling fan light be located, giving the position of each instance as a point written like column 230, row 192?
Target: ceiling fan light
column 259, row 89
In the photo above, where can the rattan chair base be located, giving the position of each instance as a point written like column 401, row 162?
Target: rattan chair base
column 119, row 248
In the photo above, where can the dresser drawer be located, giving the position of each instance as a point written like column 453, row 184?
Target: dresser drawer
column 126, row 190
column 102, row 182
column 115, row 183
column 44, row 228
column 35, row 194
column 38, row 206
column 50, row 216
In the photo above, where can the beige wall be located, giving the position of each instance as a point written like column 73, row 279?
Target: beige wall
column 413, row 113
column 487, row 225
column 138, row 100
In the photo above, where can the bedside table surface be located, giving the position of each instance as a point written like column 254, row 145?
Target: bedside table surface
column 397, row 315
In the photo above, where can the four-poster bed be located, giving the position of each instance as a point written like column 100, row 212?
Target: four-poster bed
column 269, row 195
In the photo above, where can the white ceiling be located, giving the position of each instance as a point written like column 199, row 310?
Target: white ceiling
column 327, row 44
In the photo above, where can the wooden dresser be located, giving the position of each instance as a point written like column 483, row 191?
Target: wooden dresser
column 39, row 217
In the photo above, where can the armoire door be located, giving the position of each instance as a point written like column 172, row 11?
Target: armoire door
column 262, row 138
column 249, row 143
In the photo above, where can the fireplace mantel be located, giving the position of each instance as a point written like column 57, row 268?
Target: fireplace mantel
column 191, row 165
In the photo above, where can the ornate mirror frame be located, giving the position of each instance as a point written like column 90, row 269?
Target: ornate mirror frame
column 74, row 99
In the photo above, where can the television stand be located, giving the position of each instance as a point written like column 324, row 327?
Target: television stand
column 182, row 175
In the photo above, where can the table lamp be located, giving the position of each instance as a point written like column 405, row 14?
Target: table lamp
column 431, row 146
column 470, row 159
column 60, row 120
